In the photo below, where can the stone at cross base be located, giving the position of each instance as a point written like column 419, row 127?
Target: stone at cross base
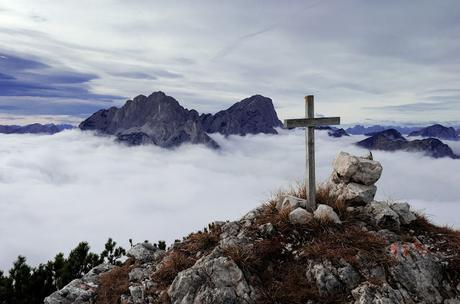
column 353, row 179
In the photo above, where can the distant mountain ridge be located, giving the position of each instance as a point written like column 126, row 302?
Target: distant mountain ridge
column 35, row 128
column 159, row 119
column 392, row 140
column 437, row 131
column 362, row 130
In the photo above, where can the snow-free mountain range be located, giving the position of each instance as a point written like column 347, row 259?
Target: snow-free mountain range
column 159, row 119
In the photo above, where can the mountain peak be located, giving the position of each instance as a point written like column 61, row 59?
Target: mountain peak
column 252, row 115
column 437, row 131
column 160, row 119
column 392, row 140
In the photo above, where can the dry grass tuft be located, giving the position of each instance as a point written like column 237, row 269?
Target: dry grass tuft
column 323, row 196
column 113, row 284
column 202, row 241
column 348, row 243
column 184, row 255
column 171, row 265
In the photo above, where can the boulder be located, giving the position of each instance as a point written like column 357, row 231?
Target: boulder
column 325, row 213
column 404, row 213
column 352, row 193
column 144, row 252
column 348, row 168
column 300, row 216
column 383, row 215
column 331, row 279
column 212, row 280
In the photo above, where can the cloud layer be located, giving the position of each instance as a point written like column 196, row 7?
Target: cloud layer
column 73, row 186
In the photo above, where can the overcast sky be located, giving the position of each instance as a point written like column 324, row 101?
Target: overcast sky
column 365, row 60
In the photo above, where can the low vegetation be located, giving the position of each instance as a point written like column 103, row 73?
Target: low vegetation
column 184, row 254
column 113, row 284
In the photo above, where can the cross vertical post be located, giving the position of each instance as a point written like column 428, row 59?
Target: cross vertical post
column 309, row 123
column 310, row 132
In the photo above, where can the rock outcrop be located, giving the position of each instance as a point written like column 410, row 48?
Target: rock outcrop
column 159, row 119
column 437, row 131
column 288, row 251
column 353, row 178
column 337, row 133
column 35, row 128
column 392, row 140
column 252, row 115
column 80, row 291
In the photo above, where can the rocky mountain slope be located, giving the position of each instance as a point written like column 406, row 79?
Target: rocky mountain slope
column 345, row 248
column 252, row 115
column 360, row 129
column 437, row 131
column 159, row 119
column 392, row 140
column 35, row 128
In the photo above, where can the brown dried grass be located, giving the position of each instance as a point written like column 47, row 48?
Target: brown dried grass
column 171, row 265
column 184, row 255
column 347, row 243
column 113, row 284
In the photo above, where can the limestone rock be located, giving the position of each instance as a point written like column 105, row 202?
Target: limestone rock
column 371, row 294
column 325, row 213
column 418, row 273
column 267, row 229
column 137, row 294
column 144, row 252
column 403, row 210
column 322, row 274
column 292, row 202
column 80, row 291
column 383, row 215
column 212, row 280
column 353, row 193
column 349, row 168
column 331, row 279
column 300, row 216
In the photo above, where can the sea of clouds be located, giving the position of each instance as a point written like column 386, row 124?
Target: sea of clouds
column 56, row 191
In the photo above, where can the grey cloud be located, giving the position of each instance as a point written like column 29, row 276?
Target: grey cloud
column 38, row 19
column 418, row 107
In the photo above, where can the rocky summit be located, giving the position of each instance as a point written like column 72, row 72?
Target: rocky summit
column 437, row 131
column 160, row 119
column 252, row 115
column 392, row 140
column 346, row 247
column 157, row 119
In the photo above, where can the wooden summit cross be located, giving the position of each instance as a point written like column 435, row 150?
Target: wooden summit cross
column 310, row 122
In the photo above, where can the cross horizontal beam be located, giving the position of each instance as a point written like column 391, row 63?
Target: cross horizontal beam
column 311, row 122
